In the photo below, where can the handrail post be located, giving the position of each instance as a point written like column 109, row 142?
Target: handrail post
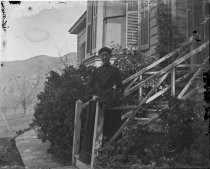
column 140, row 88
column 77, row 130
column 173, row 76
column 98, row 131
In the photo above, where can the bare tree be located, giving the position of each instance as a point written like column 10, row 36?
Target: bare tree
column 63, row 61
column 14, row 104
column 27, row 88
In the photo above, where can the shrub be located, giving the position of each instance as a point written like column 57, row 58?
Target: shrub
column 54, row 114
column 181, row 141
column 129, row 61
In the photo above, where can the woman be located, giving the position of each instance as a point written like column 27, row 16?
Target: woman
column 101, row 82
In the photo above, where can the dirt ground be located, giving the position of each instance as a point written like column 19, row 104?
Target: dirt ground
column 27, row 151
column 34, row 153
column 9, row 154
column 18, row 121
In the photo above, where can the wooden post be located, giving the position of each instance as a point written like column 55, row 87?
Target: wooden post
column 173, row 82
column 192, row 58
column 98, row 131
column 77, row 130
column 140, row 88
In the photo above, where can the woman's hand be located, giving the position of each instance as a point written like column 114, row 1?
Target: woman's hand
column 94, row 98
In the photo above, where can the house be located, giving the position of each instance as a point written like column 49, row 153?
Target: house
column 104, row 24
column 133, row 23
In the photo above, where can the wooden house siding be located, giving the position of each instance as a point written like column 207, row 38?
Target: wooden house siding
column 153, row 31
column 153, row 22
column 82, row 36
column 154, row 40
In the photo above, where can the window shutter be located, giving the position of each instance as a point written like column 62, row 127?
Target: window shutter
column 144, row 25
column 132, row 23
column 89, row 28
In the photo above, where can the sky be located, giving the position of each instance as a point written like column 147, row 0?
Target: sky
column 40, row 28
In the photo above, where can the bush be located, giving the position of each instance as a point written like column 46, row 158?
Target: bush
column 130, row 61
column 54, row 114
column 180, row 142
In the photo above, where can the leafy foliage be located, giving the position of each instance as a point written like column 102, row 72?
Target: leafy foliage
column 179, row 142
column 54, row 114
column 130, row 61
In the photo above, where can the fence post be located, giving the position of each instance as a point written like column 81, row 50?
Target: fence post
column 77, row 130
column 98, row 131
column 173, row 76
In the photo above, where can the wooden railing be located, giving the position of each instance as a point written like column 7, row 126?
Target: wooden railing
column 161, row 74
column 144, row 70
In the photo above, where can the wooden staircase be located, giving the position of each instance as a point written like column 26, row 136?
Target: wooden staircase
column 176, row 76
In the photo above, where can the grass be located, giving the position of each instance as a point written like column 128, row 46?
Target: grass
column 18, row 121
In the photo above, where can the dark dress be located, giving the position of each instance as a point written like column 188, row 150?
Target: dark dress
column 101, row 83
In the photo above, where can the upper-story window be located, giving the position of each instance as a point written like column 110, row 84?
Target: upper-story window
column 91, row 26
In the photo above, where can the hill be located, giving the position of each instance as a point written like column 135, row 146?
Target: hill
column 41, row 64
column 21, row 81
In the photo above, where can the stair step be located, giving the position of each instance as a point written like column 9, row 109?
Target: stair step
column 199, row 78
column 142, row 120
column 159, row 105
column 81, row 165
column 147, row 119
column 181, row 72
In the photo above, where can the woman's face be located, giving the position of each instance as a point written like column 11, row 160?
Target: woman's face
column 105, row 57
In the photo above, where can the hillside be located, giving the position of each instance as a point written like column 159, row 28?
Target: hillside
column 21, row 81
column 37, row 65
